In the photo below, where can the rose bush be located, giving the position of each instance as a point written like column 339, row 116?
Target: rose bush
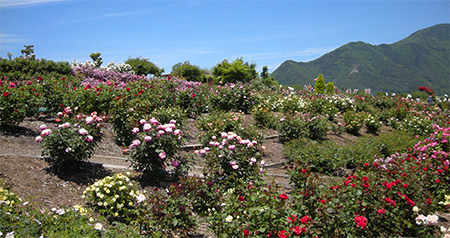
column 71, row 141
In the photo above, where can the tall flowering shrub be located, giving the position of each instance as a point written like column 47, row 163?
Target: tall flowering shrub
column 231, row 159
column 154, row 147
column 72, row 140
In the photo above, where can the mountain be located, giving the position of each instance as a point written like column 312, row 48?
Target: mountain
column 421, row 59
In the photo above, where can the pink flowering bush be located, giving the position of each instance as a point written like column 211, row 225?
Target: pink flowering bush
column 72, row 140
column 231, row 159
column 154, row 147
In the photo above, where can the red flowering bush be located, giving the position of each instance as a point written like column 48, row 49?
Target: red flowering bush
column 426, row 89
column 18, row 99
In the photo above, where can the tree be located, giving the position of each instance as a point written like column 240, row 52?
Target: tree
column 97, row 59
column 28, row 52
column 330, row 88
column 238, row 71
column 188, row 71
column 320, row 85
column 265, row 72
column 142, row 66
column 10, row 55
column 267, row 79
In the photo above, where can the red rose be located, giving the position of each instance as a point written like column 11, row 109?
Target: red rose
column 305, row 219
column 6, row 94
column 241, row 198
column 246, row 232
column 283, row 197
column 437, row 181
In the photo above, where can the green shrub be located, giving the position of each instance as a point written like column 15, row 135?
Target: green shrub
column 218, row 121
column 320, row 85
column 353, row 122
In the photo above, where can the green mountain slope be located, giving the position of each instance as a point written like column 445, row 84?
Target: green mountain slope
column 421, row 59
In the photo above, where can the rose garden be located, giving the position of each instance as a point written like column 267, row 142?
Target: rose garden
column 391, row 181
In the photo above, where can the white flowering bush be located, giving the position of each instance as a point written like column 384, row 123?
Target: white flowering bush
column 154, row 147
column 72, row 141
column 114, row 195
column 231, row 159
column 293, row 104
column 416, row 124
column 372, row 123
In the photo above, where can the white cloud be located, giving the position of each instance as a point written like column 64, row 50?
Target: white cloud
column 8, row 38
column 11, row 3
column 110, row 15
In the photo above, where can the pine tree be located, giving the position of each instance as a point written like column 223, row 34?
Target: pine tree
column 330, row 88
column 320, row 85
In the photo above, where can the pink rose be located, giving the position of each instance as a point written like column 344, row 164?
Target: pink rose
column 162, row 155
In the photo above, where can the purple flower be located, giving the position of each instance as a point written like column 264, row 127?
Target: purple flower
column 148, row 138
column 175, row 163
column 43, row 127
column 231, row 147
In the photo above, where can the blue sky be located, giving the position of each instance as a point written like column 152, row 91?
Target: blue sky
column 204, row 32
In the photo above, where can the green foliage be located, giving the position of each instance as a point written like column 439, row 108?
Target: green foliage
column 320, row 85
column 353, row 122
column 327, row 156
column 302, row 125
column 235, row 97
column 143, row 66
column 385, row 67
column 330, row 88
column 218, row 121
column 97, row 59
column 170, row 212
column 188, row 71
column 268, row 80
column 234, row 72
column 18, row 68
